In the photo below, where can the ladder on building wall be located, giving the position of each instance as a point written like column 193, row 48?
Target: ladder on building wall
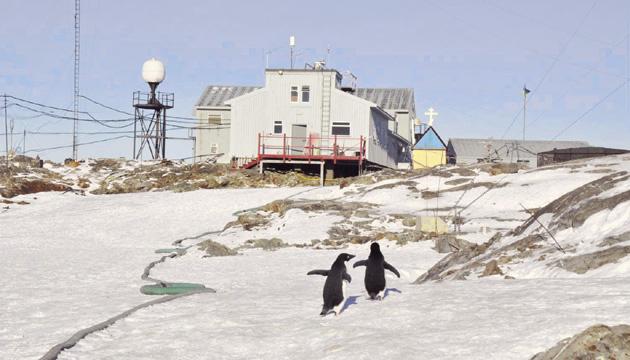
column 326, row 90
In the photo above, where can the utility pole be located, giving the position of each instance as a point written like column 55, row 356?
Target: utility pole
column 77, row 42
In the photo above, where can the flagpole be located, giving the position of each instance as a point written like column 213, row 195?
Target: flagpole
column 525, row 91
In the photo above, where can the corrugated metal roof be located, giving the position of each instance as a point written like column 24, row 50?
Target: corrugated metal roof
column 500, row 149
column 388, row 98
column 217, row 95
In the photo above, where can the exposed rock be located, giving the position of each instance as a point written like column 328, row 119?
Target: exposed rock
column 442, row 246
column 580, row 264
column 492, row 268
column 213, row 248
column 433, row 194
column 449, row 243
column 452, row 260
column 574, row 207
column 266, row 244
column 457, row 181
column 462, row 171
column 248, row 221
column 596, row 342
column 615, row 239
column 22, row 187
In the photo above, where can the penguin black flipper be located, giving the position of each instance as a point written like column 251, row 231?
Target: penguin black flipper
column 347, row 277
column 318, row 272
column 360, row 263
column 391, row 268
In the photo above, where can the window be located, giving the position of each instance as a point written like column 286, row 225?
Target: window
column 277, row 127
column 214, row 149
column 214, row 119
column 341, row 128
column 306, row 93
column 294, row 93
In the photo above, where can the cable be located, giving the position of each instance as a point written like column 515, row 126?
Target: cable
column 553, row 64
column 41, row 105
column 86, row 143
column 583, row 76
column 590, row 109
column 105, row 106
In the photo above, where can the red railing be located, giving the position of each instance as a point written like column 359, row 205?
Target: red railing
column 312, row 147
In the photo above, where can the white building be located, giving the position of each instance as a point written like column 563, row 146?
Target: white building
column 306, row 115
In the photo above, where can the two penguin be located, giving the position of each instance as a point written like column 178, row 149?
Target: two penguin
column 334, row 287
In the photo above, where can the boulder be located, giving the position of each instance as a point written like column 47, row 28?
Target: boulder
column 596, row 342
column 492, row 268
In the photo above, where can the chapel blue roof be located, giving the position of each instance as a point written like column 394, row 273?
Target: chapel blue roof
column 430, row 140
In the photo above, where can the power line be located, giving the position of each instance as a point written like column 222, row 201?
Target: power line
column 86, row 143
column 105, row 106
column 590, row 109
column 551, row 67
column 624, row 39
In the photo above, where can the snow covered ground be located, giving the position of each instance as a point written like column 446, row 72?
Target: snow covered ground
column 70, row 262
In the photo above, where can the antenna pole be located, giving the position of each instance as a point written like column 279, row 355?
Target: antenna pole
column 525, row 91
column 6, row 132
column 77, row 30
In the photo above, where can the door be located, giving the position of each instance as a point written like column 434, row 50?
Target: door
column 298, row 139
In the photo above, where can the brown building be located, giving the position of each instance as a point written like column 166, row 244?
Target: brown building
column 562, row 155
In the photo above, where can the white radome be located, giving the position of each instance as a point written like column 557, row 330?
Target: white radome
column 153, row 71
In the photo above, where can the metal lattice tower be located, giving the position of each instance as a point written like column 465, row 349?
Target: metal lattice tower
column 77, row 43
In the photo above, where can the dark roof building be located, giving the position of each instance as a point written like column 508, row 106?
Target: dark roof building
column 562, row 155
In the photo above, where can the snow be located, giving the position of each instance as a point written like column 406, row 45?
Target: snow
column 72, row 261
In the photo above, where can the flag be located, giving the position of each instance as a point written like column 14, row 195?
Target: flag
column 526, row 90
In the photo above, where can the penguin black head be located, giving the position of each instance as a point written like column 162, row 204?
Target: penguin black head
column 375, row 247
column 345, row 257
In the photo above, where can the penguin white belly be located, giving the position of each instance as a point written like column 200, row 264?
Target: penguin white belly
column 337, row 309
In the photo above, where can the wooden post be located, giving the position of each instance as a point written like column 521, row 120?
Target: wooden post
column 335, row 150
column 309, row 148
column 321, row 173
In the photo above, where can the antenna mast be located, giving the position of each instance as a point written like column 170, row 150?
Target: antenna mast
column 77, row 33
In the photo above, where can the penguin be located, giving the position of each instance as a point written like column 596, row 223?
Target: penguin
column 334, row 287
column 375, row 272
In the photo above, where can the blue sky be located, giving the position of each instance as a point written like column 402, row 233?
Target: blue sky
column 467, row 59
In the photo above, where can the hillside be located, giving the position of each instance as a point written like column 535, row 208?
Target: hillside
column 74, row 261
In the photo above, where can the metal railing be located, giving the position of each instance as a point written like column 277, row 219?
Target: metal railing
column 312, row 147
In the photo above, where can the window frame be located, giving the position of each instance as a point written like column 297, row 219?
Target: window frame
column 294, row 89
column 306, row 89
column 276, row 124
column 340, row 125
column 214, row 117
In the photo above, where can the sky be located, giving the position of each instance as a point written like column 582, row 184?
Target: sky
column 468, row 59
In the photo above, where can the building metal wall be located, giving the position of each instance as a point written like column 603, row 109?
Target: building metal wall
column 208, row 134
column 427, row 158
column 257, row 111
